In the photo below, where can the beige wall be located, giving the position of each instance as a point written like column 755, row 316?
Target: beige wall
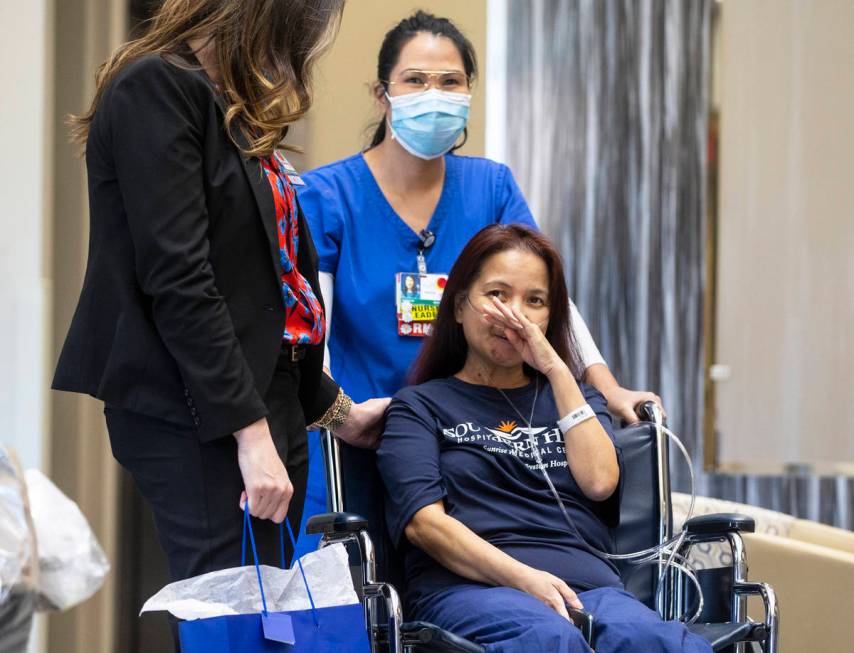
column 25, row 35
column 786, row 240
column 24, row 180
column 344, row 109
column 50, row 51
column 80, row 462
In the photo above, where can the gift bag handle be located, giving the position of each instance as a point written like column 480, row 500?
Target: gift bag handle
column 247, row 527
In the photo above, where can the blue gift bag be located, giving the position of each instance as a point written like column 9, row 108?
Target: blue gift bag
column 339, row 629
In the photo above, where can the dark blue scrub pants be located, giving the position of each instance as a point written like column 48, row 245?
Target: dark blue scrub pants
column 505, row 620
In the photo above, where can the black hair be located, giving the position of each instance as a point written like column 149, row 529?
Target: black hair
column 407, row 29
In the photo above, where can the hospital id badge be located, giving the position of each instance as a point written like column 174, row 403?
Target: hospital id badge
column 418, row 297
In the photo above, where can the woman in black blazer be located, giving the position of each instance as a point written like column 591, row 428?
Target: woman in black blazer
column 197, row 324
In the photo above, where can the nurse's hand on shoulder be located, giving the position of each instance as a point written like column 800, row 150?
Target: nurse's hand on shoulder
column 265, row 479
column 364, row 425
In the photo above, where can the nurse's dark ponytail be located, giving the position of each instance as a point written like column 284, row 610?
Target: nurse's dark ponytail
column 400, row 35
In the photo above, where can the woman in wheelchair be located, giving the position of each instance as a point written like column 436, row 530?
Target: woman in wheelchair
column 489, row 555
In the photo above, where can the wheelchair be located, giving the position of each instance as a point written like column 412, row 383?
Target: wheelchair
column 646, row 519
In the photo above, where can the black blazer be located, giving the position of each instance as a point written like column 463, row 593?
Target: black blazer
column 181, row 313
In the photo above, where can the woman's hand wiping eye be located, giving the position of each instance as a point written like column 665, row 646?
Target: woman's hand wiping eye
column 525, row 336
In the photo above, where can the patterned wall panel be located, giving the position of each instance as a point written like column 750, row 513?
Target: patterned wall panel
column 606, row 132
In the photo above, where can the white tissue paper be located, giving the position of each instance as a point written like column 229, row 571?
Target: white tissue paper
column 235, row 590
column 72, row 565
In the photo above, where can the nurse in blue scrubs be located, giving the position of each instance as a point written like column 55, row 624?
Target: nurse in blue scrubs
column 406, row 207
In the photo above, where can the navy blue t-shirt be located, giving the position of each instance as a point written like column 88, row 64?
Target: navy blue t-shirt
column 464, row 443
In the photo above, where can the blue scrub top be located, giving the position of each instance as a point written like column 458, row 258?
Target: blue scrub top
column 364, row 244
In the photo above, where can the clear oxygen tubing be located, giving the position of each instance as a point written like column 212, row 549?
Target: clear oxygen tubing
column 651, row 555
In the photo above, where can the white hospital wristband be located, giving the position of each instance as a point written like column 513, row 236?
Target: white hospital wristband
column 575, row 418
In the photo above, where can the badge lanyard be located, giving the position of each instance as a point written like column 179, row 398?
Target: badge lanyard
column 418, row 294
column 427, row 239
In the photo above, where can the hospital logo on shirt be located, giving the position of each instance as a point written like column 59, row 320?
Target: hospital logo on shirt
column 510, row 439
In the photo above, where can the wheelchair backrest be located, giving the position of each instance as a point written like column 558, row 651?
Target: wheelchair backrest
column 645, row 513
column 364, row 495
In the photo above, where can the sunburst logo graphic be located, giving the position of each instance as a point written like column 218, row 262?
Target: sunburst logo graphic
column 507, row 427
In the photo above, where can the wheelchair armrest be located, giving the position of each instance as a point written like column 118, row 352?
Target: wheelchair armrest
column 584, row 622
column 335, row 523
column 719, row 524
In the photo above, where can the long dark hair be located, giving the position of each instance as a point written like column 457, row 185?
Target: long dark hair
column 401, row 34
column 444, row 352
column 265, row 52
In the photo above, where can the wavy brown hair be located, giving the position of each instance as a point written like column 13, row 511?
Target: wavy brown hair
column 444, row 352
column 264, row 51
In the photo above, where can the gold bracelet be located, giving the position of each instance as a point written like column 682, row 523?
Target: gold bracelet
column 336, row 414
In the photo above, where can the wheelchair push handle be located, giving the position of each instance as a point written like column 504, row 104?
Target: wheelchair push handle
column 649, row 411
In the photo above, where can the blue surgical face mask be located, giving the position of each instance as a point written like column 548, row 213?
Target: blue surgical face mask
column 428, row 123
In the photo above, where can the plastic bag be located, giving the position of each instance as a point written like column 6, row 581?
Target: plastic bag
column 72, row 565
column 235, row 590
column 18, row 568
column 17, row 548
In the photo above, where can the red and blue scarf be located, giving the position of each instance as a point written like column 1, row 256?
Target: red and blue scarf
column 304, row 322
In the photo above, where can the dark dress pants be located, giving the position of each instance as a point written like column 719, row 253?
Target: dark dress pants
column 194, row 487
